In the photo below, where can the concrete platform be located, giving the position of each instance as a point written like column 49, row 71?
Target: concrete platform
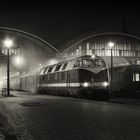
column 44, row 117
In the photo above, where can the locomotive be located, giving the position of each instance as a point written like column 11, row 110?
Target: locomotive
column 82, row 76
column 85, row 76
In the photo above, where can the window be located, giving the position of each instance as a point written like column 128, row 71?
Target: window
column 87, row 62
column 98, row 63
column 50, row 69
column 136, row 77
column 57, row 67
column 42, row 71
column 64, row 66
column 78, row 63
column 84, row 63
column 45, row 71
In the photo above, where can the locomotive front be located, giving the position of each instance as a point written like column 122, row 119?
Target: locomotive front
column 93, row 76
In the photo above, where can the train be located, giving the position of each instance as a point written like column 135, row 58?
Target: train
column 126, row 80
column 85, row 76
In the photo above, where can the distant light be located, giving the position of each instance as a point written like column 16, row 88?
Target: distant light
column 18, row 73
column 93, row 56
column 111, row 44
column 105, row 84
column 8, row 43
column 52, row 62
column 19, row 61
column 85, row 84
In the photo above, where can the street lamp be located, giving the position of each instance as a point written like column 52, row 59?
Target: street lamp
column 111, row 45
column 8, row 43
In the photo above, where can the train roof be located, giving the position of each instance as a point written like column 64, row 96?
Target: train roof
column 70, row 64
column 75, row 58
column 126, row 67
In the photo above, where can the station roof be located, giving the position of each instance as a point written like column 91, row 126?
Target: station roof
column 42, row 43
column 92, row 35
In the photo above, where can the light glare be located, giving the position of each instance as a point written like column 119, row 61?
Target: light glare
column 110, row 44
column 8, row 43
column 19, row 61
column 105, row 84
column 52, row 62
column 85, row 84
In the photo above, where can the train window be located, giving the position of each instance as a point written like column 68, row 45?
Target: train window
column 58, row 67
column 42, row 71
column 88, row 63
column 98, row 63
column 45, row 71
column 64, row 66
column 136, row 77
column 50, row 69
column 84, row 63
column 78, row 63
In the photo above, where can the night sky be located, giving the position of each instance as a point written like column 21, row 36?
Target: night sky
column 57, row 22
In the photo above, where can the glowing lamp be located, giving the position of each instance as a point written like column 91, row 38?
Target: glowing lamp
column 111, row 44
column 85, row 84
column 105, row 84
column 8, row 43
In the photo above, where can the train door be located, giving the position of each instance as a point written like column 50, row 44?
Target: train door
column 136, row 80
column 133, row 80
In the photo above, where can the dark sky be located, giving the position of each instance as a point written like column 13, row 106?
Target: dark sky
column 60, row 21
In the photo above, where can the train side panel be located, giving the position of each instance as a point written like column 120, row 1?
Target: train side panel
column 74, row 82
column 126, row 81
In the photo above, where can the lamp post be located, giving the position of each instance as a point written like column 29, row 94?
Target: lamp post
column 111, row 45
column 8, row 43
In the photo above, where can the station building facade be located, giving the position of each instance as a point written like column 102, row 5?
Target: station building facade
column 126, row 47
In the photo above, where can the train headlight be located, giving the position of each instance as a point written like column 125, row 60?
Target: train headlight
column 105, row 84
column 85, row 84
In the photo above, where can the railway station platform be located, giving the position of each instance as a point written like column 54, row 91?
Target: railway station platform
column 35, row 116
